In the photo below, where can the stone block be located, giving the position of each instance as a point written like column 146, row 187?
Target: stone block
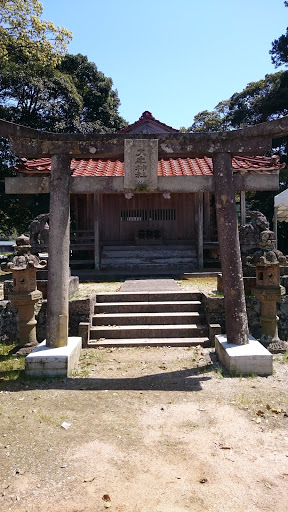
column 213, row 330
column 42, row 285
column 54, row 362
column 244, row 359
column 84, row 328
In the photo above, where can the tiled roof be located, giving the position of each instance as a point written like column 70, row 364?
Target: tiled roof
column 145, row 118
column 166, row 167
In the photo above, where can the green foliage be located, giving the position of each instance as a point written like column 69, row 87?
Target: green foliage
column 25, row 37
column 214, row 121
column 260, row 101
column 279, row 52
column 16, row 211
column 44, row 88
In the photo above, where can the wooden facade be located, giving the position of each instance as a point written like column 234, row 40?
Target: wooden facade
column 121, row 219
column 113, row 219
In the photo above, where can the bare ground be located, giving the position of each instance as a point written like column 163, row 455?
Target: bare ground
column 151, row 430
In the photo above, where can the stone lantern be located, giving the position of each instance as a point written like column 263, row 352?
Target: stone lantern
column 268, row 289
column 25, row 293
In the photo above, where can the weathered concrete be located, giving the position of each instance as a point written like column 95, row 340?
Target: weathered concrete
column 59, row 244
column 141, row 164
column 149, row 285
column 42, row 286
column 45, row 361
column 112, row 184
column 9, row 331
column 244, row 359
column 79, row 311
column 229, row 247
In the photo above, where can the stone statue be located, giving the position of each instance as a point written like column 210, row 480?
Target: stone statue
column 39, row 233
column 267, row 253
column 250, row 234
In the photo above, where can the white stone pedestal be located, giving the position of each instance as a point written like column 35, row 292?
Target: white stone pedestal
column 54, row 362
column 244, row 359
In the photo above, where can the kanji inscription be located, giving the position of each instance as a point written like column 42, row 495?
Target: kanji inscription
column 141, row 164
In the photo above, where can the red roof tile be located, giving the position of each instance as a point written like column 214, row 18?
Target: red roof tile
column 166, row 167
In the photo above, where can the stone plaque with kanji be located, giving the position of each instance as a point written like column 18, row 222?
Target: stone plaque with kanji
column 141, row 164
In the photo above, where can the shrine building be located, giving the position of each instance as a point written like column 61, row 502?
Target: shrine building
column 160, row 219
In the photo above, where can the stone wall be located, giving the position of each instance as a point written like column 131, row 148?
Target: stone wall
column 214, row 311
column 79, row 311
column 8, row 322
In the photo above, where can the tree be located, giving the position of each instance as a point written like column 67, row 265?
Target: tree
column 213, row 121
column 25, row 37
column 279, row 52
column 260, row 101
column 43, row 88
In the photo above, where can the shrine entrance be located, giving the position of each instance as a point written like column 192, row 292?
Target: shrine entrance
column 223, row 182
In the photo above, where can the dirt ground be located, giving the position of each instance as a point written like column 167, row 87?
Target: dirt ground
column 146, row 430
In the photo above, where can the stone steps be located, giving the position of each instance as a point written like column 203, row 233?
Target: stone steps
column 147, row 307
column 148, row 318
column 174, row 296
column 151, row 342
column 148, row 257
column 146, row 331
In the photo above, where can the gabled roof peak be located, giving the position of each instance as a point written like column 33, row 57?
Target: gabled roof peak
column 147, row 124
column 147, row 115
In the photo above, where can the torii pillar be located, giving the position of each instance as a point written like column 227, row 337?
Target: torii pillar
column 59, row 354
column 238, row 351
column 229, row 247
column 59, row 246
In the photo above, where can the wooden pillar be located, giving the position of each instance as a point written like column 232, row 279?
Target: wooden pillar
column 206, row 215
column 58, row 263
column 234, row 297
column 96, row 232
column 200, row 230
column 243, row 207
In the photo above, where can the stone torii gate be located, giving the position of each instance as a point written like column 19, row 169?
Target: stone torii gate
column 141, row 153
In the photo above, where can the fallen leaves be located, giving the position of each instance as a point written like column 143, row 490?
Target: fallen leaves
column 269, row 411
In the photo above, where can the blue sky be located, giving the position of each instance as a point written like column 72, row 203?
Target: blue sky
column 174, row 58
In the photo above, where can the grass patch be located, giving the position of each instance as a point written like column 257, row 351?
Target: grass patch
column 90, row 288
column 11, row 367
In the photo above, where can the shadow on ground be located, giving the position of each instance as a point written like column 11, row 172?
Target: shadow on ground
column 180, row 380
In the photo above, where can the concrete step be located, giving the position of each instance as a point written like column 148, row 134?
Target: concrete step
column 148, row 263
column 114, row 274
column 149, row 331
column 147, row 247
column 151, row 342
column 171, row 318
column 142, row 250
column 148, row 296
column 149, row 257
column 147, row 307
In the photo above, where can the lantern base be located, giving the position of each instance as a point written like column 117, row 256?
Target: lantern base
column 54, row 362
column 248, row 359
